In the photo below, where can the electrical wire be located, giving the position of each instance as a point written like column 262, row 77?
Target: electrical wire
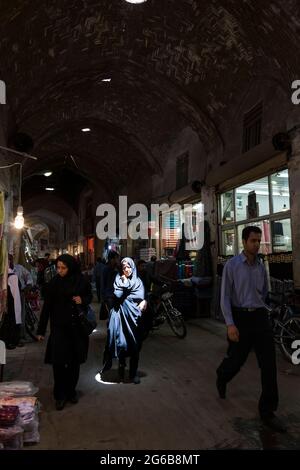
column 25, row 155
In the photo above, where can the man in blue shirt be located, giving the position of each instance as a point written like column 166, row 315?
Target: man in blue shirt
column 243, row 295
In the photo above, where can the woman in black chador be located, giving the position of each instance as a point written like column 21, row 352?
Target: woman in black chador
column 123, row 333
column 67, row 294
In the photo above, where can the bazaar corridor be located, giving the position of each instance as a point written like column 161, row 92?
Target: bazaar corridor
column 175, row 406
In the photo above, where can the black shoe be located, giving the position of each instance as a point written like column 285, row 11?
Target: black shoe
column 11, row 346
column 107, row 366
column 60, row 404
column 274, row 423
column 74, row 399
column 221, row 386
column 20, row 344
column 136, row 380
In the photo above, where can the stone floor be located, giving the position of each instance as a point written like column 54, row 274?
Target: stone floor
column 174, row 407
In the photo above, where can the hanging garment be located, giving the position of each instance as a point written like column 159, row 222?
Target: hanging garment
column 2, row 208
column 13, row 283
column 3, row 256
column 3, row 302
column 10, row 327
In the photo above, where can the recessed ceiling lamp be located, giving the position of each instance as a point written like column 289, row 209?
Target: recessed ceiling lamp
column 135, row 1
column 106, row 80
column 49, row 189
column 48, row 173
column 86, row 129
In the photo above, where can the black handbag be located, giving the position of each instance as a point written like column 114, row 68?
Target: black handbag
column 86, row 320
column 86, row 326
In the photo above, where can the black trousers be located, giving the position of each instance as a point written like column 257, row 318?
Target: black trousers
column 65, row 380
column 255, row 332
column 98, row 289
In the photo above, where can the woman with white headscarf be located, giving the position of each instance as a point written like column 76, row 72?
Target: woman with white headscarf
column 123, row 333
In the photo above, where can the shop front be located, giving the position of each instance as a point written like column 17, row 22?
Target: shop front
column 263, row 202
column 171, row 232
column 192, row 269
column 90, row 251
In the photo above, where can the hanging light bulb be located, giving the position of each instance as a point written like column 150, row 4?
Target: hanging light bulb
column 19, row 220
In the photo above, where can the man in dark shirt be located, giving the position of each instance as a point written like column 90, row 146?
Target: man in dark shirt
column 243, row 295
column 107, row 293
column 108, row 278
column 97, row 276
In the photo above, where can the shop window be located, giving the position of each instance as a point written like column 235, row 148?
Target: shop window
column 252, row 200
column 280, row 191
column 228, row 242
column 265, row 245
column 182, row 170
column 227, row 207
column 260, row 203
column 252, row 127
column 171, row 227
column 170, row 231
column 281, row 234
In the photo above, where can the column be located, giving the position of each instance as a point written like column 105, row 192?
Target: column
column 208, row 198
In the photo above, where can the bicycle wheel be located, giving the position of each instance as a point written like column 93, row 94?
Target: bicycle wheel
column 176, row 322
column 30, row 322
column 290, row 331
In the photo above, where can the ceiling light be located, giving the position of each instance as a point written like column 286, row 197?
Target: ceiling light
column 49, row 189
column 86, row 129
column 135, row 1
column 106, row 80
column 19, row 219
column 48, row 173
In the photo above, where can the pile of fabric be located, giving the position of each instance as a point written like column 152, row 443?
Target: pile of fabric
column 19, row 415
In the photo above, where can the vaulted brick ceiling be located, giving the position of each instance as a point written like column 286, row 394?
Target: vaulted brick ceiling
column 172, row 63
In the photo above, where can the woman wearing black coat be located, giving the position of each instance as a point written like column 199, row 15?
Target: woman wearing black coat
column 67, row 348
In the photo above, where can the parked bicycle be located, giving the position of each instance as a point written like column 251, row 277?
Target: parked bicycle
column 31, row 319
column 33, row 298
column 285, row 324
column 160, row 309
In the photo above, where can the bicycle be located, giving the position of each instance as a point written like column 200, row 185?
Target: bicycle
column 285, row 324
column 30, row 320
column 160, row 309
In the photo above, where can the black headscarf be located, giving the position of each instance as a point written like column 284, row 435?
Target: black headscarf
column 66, row 286
column 71, row 263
